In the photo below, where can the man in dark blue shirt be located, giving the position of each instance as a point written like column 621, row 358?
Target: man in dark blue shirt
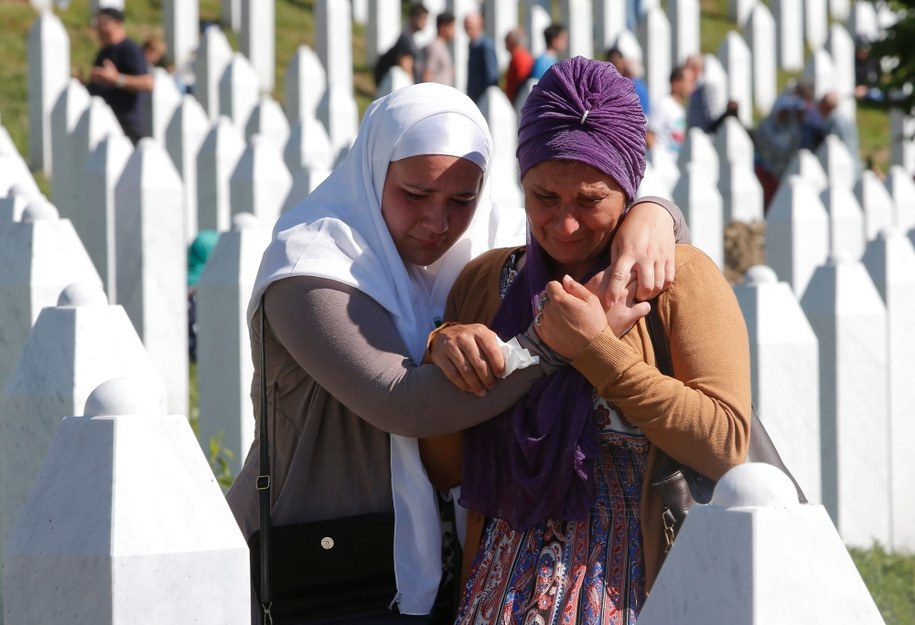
column 482, row 64
column 120, row 74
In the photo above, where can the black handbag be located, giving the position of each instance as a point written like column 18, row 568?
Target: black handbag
column 338, row 570
column 680, row 486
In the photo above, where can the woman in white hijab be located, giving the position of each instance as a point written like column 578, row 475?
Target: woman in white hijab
column 353, row 282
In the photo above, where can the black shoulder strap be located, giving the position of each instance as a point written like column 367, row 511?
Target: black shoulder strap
column 263, row 480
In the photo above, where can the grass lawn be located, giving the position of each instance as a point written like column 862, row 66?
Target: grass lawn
column 890, row 577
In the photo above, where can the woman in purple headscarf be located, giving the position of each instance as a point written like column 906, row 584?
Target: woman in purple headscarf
column 573, row 533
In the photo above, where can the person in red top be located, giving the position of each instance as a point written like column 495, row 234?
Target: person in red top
column 519, row 68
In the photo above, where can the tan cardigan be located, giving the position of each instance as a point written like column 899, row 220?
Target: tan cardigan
column 701, row 418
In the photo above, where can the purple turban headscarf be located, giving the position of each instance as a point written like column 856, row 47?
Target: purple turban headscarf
column 584, row 110
column 536, row 461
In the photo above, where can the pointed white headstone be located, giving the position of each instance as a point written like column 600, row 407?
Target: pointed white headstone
column 741, row 192
column 260, row 182
column 72, row 348
column 654, row 36
column 683, row 16
column 820, row 72
column 755, row 542
column 760, row 35
column 698, row 148
column 305, row 83
column 308, row 146
column 789, row 22
column 269, row 121
column 95, row 124
column 876, row 204
column 806, row 165
column 846, row 222
column 166, row 98
column 837, row 162
column 223, row 346
column 739, row 11
column 213, row 56
column 700, row 201
column 501, row 16
column 184, row 136
column 94, row 550
column 902, row 190
column 815, row 23
column 69, row 107
column 396, row 78
column 735, row 58
column 500, row 115
column 784, row 364
column 902, row 146
column 609, row 22
column 578, row 17
column 849, row 318
column 239, row 90
column 257, row 40
column 841, row 48
column 180, row 21
column 216, row 160
column 797, row 232
column 381, row 29
column 862, row 22
column 49, row 72
column 733, row 143
column 230, row 14
column 94, row 220
column 152, row 263
column 39, row 256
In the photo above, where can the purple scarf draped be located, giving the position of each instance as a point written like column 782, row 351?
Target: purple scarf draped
column 535, row 461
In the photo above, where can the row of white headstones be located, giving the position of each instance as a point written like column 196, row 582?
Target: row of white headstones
column 126, row 206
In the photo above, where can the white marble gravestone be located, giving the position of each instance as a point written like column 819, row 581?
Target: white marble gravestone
column 838, row 164
column 760, row 35
column 95, row 124
column 230, row 14
column 337, row 108
column 846, row 222
column 629, row 45
column 739, row 11
column 578, row 17
column 181, row 23
column 224, row 357
column 654, row 183
column 166, row 98
column 733, row 143
column 902, row 190
column 655, row 39
column 304, row 181
column 839, row 9
column 504, row 182
column 806, row 165
column 184, row 135
column 815, row 23
column 382, row 28
column 735, row 58
column 395, row 78
column 784, row 366
column 797, row 232
column 752, row 544
column 820, row 72
column 15, row 202
column 890, row 261
column 216, row 160
column 741, row 192
column 39, row 256
column 789, row 24
column 308, row 146
column 664, row 163
column 213, row 56
column 841, row 48
column 862, row 22
column 94, row 220
column 902, row 146
column 257, row 39
column 849, row 318
column 239, row 90
column 151, row 263
column 609, row 22
column 260, row 182
column 683, row 16
column 876, row 204
column 69, row 107
column 698, row 148
column 717, row 80
column 123, row 496
column 501, row 16
column 269, row 121
column 72, row 348
column 13, row 168
column 305, row 82
column 49, row 71
column 696, row 195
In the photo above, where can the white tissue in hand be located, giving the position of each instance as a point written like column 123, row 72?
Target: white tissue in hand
column 516, row 357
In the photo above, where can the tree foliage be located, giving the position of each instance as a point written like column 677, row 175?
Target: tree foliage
column 898, row 43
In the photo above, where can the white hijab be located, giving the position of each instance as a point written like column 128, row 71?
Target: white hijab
column 338, row 233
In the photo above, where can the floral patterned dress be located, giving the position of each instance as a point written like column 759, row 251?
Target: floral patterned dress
column 569, row 572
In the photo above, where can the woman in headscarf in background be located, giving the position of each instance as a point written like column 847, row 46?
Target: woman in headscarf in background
column 572, row 531
column 353, row 282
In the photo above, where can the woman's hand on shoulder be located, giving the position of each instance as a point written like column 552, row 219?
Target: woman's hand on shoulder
column 623, row 311
column 469, row 356
column 642, row 249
